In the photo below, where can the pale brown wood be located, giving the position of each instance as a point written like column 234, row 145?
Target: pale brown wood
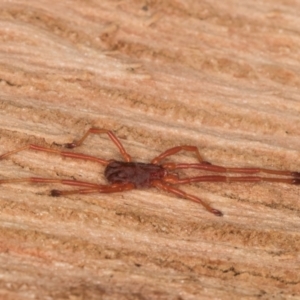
column 220, row 75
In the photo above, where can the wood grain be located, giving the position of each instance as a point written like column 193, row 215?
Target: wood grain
column 221, row 75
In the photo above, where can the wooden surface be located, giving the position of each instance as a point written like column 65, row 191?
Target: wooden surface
column 221, row 75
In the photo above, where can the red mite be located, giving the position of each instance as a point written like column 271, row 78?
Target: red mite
column 127, row 175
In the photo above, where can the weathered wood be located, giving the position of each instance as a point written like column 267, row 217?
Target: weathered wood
column 221, row 75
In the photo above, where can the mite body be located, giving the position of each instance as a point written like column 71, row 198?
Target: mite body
column 139, row 174
column 128, row 175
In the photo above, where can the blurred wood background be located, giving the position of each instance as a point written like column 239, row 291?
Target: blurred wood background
column 221, row 75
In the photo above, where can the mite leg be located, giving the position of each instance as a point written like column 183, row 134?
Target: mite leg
column 110, row 134
column 219, row 178
column 99, row 189
column 220, row 169
column 168, row 188
column 87, row 187
column 174, row 150
column 59, row 152
column 51, row 180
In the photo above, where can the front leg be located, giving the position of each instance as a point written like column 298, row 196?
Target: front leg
column 54, row 151
column 86, row 187
column 114, row 188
